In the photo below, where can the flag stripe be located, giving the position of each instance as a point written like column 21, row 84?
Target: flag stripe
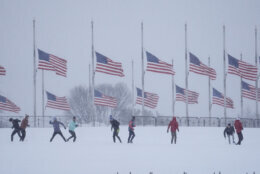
column 103, row 100
column 7, row 105
column 156, row 65
column 2, row 71
column 107, row 66
column 55, row 102
column 51, row 62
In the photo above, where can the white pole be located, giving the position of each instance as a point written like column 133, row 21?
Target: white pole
column 42, row 98
column 241, row 95
column 142, row 40
column 186, row 76
column 34, row 76
column 133, row 103
column 173, row 96
column 256, row 83
column 209, row 80
column 225, row 75
column 93, row 73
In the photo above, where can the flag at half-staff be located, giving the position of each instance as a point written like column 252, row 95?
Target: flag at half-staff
column 52, row 63
column 7, row 105
column 154, row 64
column 242, row 69
column 2, row 71
column 249, row 91
column 198, row 67
column 57, row 102
column 181, row 95
column 107, row 66
column 104, row 100
column 218, row 99
column 150, row 99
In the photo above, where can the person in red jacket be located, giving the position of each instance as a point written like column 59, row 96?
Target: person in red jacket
column 174, row 126
column 23, row 126
column 131, row 130
column 239, row 127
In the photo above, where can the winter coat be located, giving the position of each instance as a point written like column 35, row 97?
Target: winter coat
column 229, row 131
column 72, row 126
column 173, row 125
column 15, row 123
column 56, row 125
column 131, row 125
column 24, row 123
column 114, row 124
column 238, row 126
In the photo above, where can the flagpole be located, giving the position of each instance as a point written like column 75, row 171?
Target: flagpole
column 42, row 98
column 224, row 59
column 34, row 75
column 142, row 40
column 256, row 83
column 93, row 73
column 132, row 87
column 209, row 80
column 241, row 99
column 89, row 83
column 173, row 98
column 186, row 76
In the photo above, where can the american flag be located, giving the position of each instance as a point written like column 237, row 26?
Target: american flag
column 7, row 105
column 156, row 65
column 57, row 102
column 198, row 67
column 103, row 100
column 249, row 91
column 52, row 63
column 218, row 99
column 2, row 70
column 150, row 99
column 242, row 69
column 181, row 95
column 107, row 66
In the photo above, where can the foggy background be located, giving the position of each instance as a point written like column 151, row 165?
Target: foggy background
column 63, row 28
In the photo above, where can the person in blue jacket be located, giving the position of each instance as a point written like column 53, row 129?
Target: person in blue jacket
column 72, row 127
column 56, row 126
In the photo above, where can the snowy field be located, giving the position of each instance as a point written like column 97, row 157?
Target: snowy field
column 198, row 151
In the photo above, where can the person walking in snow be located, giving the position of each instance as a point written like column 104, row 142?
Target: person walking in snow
column 16, row 128
column 72, row 127
column 229, row 131
column 174, row 126
column 239, row 128
column 115, row 125
column 131, row 126
column 56, row 125
column 24, row 124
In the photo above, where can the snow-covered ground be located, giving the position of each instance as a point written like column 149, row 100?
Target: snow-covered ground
column 198, row 151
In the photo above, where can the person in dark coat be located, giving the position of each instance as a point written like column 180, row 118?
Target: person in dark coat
column 239, row 128
column 131, row 126
column 24, row 124
column 229, row 131
column 115, row 125
column 174, row 126
column 16, row 127
column 56, row 125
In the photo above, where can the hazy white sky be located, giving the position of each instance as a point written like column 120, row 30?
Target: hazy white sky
column 63, row 29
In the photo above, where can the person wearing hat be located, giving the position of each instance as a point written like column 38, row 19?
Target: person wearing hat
column 174, row 126
column 115, row 125
column 24, row 124
column 229, row 131
column 56, row 126
column 239, row 128
column 131, row 126
column 16, row 127
column 72, row 127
